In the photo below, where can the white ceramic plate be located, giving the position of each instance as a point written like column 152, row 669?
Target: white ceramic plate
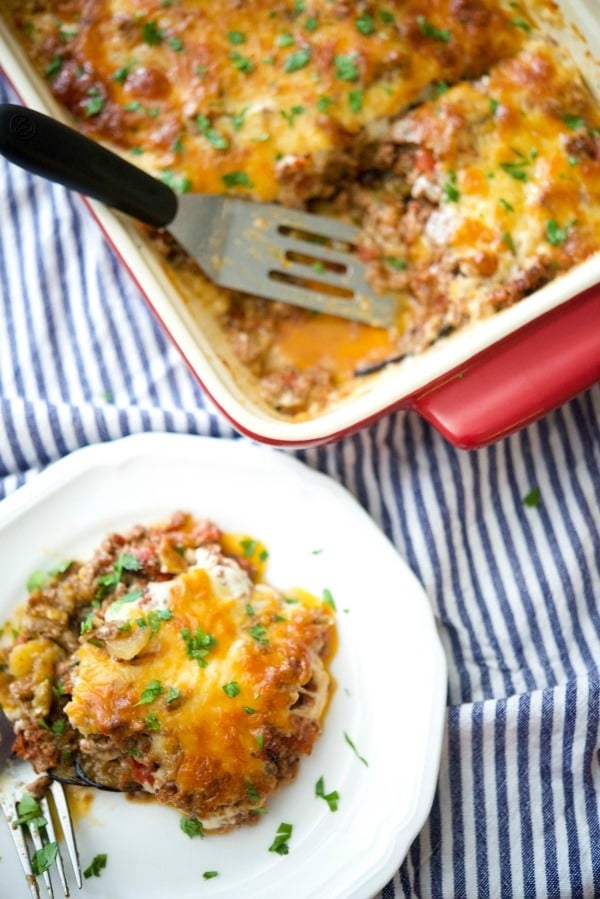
column 389, row 668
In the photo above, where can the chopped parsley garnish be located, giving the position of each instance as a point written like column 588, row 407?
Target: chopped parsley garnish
column 181, row 184
column 96, row 866
column 323, row 103
column 208, row 875
column 573, row 121
column 259, row 633
column 122, row 73
column 44, row 858
column 151, row 33
column 521, row 23
column 232, row 688
column 132, row 596
column 125, row 562
column 218, row 141
column 533, row 498
column 152, row 691
column 297, row 60
column 354, row 750
column 237, row 119
column 555, row 234
column 506, row 205
column 198, row 645
column 437, row 90
column 252, row 792
column 57, row 727
column 365, row 24
column 282, row 837
column 54, row 66
column 95, row 104
column 290, row 114
column 242, row 63
column 429, row 30
column 394, row 262
column 285, row 40
column 249, row 710
column 236, row 179
column 39, row 579
column 236, row 37
column 515, row 169
column 328, row 598
column 192, row 827
column 156, row 616
column 249, row 547
column 87, row 624
column 331, row 799
column 355, row 100
column 345, row 67
column 451, row 192
column 29, row 812
column 172, row 695
column 175, row 43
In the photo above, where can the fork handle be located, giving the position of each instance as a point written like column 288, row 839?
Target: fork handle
column 48, row 148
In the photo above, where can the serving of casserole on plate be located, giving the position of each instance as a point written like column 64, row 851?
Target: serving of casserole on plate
column 463, row 141
column 166, row 663
column 378, row 753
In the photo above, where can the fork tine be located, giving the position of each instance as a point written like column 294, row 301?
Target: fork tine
column 64, row 816
column 38, row 843
column 45, row 806
column 10, row 812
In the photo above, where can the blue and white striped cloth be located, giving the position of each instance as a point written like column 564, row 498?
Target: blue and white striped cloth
column 516, row 588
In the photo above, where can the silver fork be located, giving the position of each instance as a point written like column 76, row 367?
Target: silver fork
column 15, row 776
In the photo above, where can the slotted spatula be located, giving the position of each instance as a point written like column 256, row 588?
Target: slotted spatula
column 258, row 248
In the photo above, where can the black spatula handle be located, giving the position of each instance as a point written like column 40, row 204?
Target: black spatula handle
column 48, row 148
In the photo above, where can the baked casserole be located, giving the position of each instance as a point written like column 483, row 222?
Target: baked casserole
column 166, row 663
column 457, row 134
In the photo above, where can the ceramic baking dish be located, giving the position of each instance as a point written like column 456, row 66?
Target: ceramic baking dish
column 475, row 386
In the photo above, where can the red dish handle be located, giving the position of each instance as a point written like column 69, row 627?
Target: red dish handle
column 521, row 378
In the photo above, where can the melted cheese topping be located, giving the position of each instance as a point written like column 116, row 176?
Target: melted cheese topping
column 208, row 93
column 219, row 668
column 507, row 186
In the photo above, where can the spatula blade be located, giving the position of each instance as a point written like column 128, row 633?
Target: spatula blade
column 282, row 254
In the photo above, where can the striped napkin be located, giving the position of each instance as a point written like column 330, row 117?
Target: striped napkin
column 505, row 540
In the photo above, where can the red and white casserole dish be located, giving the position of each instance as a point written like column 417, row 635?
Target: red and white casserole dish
column 475, row 385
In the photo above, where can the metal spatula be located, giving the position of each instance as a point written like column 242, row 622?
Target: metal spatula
column 260, row 249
